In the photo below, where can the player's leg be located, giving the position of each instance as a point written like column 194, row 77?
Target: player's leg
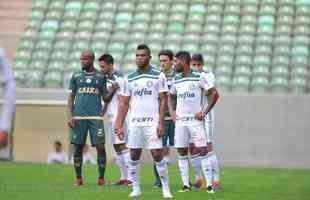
column 196, row 165
column 135, row 144
column 122, row 154
column 181, row 143
column 78, row 139
column 209, row 126
column 97, row 137
column 200, row 141
column 156, row 147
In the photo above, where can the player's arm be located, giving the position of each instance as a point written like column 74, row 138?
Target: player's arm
column 109, row 95
column 213, row 96
column 172, row 104
column 122, row 111
column 70, row 107
column 162, row 106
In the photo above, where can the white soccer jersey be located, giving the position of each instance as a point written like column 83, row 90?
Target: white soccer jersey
column 190, row 94
column 211, row 78
column 143, row 90
column 113, row 104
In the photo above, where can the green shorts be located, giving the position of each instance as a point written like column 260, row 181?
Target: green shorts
column 82, row 127
column 168, row 138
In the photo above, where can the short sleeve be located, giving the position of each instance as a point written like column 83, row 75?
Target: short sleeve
column 162, row 83
column 120, row 81
column 124, row 88
column 207, row 80
column 72, row 84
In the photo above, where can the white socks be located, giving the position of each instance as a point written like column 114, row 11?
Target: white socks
column 122, row 161
column 134, row 174
column 207, row 169
column 162, row 170
column 184, row 169
column 215, row 167
column 196, row 164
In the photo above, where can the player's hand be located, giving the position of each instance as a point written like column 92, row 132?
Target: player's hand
column 119, row 131
column 114, row 87
column 174, row 116
column 199, row 116
column 160, row 131
column 71, row 122
column 3, row 139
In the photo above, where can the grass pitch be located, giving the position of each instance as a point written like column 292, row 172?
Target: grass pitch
column 54, row 182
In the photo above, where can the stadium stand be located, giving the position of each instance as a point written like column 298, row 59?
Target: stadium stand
column 252, row 46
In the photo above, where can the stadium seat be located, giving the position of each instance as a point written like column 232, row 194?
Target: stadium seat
column 223, row 82
column 280, row 71
column 159, row 17
column 259, row 84
column 53, row 79
column 91, row 6
column 298, row 85
column 279, row 84
column 226, row 49
column 126, row 6
column 244, row 49
column 242, row 59
column 214, row 8
column 175, row 28
column 224, row 69
column 143, row 17
column 144, row 7
column 57, row 5
column 242, row 70
column 241, row 83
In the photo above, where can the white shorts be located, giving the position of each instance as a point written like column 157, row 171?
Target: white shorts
column 209, row 127
column 112, row 138
column 185, row 134
column 143, row 137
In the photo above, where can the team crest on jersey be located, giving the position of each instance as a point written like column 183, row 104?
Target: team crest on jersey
column 88, row 80
column 149, row 84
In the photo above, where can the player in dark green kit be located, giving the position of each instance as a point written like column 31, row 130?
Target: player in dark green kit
column 87, row 89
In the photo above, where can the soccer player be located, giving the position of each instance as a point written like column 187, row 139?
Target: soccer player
column 145, row 94
column 87, row 88
column 8, row 106
column 189, row 111
column 197, row 63
column 166, row 65
column 106, row 63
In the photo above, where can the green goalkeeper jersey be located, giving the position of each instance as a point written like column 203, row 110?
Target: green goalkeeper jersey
column 88, row 89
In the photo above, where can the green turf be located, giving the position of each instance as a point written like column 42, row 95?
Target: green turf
column 54, row 182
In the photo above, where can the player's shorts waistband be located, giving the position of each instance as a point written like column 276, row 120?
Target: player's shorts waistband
column 88, row 117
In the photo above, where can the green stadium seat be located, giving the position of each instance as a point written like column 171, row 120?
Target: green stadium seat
column 285, row 19
column 74, row 15
column 34, row 24
column 72, row 66
column 177, row 17
column 223, row 69
column 302, row 10
column 80, row 45
column 75, row 6
column 109, row 5
column 179, row 8
column 103, row 25
column 243, row 70
column 54, row 15
column 226, row 49
column 36, row 15
column 214, row 8
column 191, row 47
column 282, row 50
column 248, row 19
column 228, row 39
column 302, row 2
column 298, row 85
column 141, row 27
column 130, row 56
column 211, row 28
column 267, row 10
column 261, row 70
column 155, row 37
column 107, row 16
column 175, row 38
column 116, row 47
column 299, row 61
column 62, row 45
column 173, row 46
column 85, row 25
column 232, row 9
column 262, row 61
column 302, row 20
column 280, row 71
column 267, row 20
column 282, row 40
column 126, row 6
column 83, row 35
column 243, row 59
column 193, row 28
column 58, row 65
column 264, row 39
column 101, row 36
column 209, row 48
column 175, row 28
column 68, row 25
column 123, row 17
column 143, row 17
column 198, row 9
column 23, row 54
column 225, row 60
column 159, row 17
column 262, row 49
column 88, row 15
column 144, row 7
column 241, row 83
column 287, row 2
column 53, row 79
column 195, row 18
column 162, row 7
column 283, row 29
column 97, row 46
column 231, row 19
column 300, row 40
column 34, row 79
column 138, row 37
column 246, row 39
column 20, row 64
column 279, row 84
column 269, row 2
column 74, row 55
column 299, row 71
column 40, row 4
column 265, row 30
column 38, row 64
column 44, row 45
column 259, row 84
column 26, row 44
column 57, row 5
column 229, row 29
column 122, row 26
column 244, row 49
column 212, row 2
column 249, row 9
column 210, row 60
column 213, row 19
column 210, row 39
column 59, row 55
column 280, row 61
column 91, row 6
column 301, row 30
column 223, row 82
column 286, row 10
column 300, row 50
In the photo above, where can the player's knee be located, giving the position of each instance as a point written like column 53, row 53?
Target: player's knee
column 100, row 147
